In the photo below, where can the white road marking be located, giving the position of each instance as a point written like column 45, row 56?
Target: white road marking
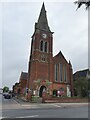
column 26, row 105
column 36, row 106
column 2, row 118
column 28, row 116
column 21, row 117
column 56, row 105
column 30, row 106
column 15, row 101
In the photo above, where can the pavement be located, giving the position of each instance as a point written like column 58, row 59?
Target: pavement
column 15, row 103
column 29, row 105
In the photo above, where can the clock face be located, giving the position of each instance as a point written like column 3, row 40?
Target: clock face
column 44, row 35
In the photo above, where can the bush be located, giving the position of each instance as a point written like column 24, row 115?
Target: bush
column 34, row 98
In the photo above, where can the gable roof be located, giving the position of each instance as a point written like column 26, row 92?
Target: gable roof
column 60, row 54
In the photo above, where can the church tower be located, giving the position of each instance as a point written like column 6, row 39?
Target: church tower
column 41, row 56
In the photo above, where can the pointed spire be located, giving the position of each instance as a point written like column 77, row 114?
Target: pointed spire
column 42, row 20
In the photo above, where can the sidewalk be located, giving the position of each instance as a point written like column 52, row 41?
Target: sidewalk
column 29, row 105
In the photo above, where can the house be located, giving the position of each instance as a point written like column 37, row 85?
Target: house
column 23, row 82
column 82, row 73
column 17, row 88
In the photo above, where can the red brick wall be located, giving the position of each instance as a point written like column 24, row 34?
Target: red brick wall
column 23, row 83
column 65, row 100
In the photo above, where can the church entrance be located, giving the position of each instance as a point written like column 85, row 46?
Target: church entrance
column 42, row 89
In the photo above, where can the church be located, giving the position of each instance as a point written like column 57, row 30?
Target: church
column 48, row 74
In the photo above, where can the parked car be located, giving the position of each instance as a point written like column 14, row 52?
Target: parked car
column 4, row 93
column 7, row 95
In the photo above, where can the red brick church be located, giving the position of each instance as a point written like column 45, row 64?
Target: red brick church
column 52, row 75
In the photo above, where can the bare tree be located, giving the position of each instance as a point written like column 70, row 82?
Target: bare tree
column 81, row 2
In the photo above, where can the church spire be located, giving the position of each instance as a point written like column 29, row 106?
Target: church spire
column 42, row 20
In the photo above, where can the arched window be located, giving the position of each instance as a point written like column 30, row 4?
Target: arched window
column 41, row 46
column 65, row 74
column 45, row 47
column 56, row 72
column 61, row 68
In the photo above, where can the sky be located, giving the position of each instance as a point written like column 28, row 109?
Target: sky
column 18, row 18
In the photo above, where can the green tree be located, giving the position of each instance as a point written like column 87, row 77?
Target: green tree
column 89, row 84
column 5, row 89
column 81, row 86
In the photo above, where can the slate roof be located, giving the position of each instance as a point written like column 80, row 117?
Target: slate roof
column 42, row 20
column 23, row 76
column 82, row 73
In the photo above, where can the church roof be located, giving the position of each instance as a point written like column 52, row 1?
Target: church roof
column 23, row 76
column 42, row 23
column 60, row 54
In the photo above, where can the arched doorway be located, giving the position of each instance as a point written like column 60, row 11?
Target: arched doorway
column 42, row 89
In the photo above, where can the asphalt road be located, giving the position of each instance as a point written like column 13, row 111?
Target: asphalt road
column 12, row 109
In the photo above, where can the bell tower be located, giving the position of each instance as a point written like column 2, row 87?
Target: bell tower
column 40, row 62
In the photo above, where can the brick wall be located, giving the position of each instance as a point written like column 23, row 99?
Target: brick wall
column 65, row 100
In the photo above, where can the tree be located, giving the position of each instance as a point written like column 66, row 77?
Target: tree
column 5, row 89
column 81, row 2
column 81, row 86
column 89, row 84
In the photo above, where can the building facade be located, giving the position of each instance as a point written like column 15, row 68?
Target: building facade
column 20, row 87
column 52, row 75
column 23, row 82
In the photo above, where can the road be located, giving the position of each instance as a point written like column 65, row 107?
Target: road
column 13, row 109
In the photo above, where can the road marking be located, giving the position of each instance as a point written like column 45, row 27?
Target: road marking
column 20, row 117
column 28, row 116
column 2, row 118
column 26, row 105
column 15, row 101
column 56, row 105
column 30, row 106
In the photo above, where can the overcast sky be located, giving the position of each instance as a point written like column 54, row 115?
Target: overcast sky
column 70, row 29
